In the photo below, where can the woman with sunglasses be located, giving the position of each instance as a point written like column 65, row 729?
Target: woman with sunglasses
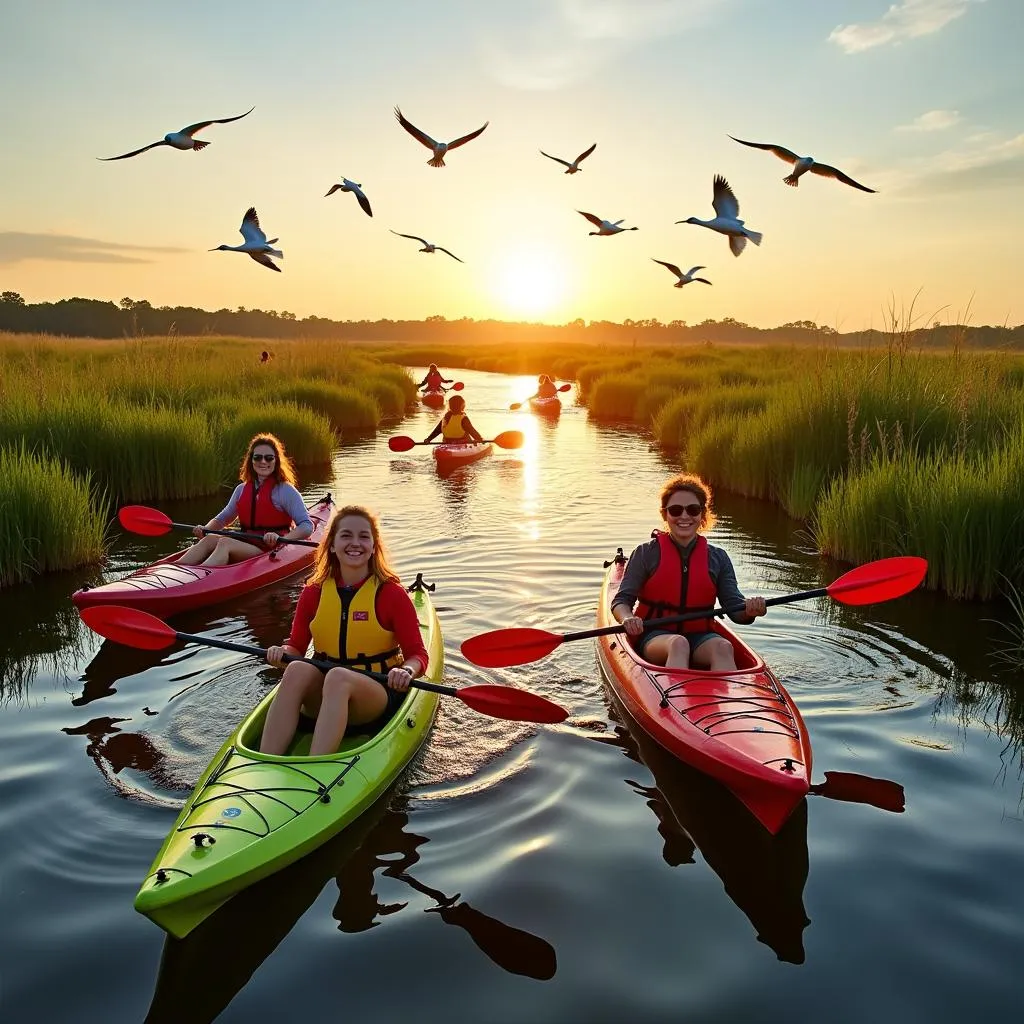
column 454, row 425
column 356, row 612
column 676, row 572
column 264, row 502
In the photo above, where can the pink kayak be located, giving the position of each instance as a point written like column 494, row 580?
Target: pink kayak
column 550, row 406
column 450, row 456
column 165, row 587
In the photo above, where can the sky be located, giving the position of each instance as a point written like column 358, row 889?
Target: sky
column 922, row 100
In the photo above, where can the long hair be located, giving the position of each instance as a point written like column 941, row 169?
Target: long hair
column 326, row 564
column 284, row 470
column 456, row 404
column 690, row 482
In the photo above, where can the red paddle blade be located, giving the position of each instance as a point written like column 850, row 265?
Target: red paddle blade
column 510, row 439
column 879, row 581
column 129, row 626
column 149, row 522
column 514, row 406
column 565, row 387
column 457, row 386
column 401, row 443
column 862, row 789
column 508, row 702
column 518, row 645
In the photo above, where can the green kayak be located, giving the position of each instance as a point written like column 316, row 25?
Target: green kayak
column 251, row 813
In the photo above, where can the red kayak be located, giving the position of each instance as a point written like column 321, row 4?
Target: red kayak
column 550, row 406
column 740, row 727
column 165, row 587
column 433, row 399
column 451, row 456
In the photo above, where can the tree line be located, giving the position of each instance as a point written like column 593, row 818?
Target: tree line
column 94, row 318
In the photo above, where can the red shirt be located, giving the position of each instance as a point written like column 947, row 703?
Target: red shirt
column 394, row 610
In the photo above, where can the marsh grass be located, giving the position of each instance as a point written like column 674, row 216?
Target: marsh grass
column 1010, row 652
column 52, row 517
column 148, row 419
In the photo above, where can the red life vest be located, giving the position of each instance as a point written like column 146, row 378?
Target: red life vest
column 258, row 514
column 546, row 390
column 433, row 381
column 677, row 586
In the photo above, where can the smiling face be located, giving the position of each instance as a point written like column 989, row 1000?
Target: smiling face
column 683, row 526
column 264, row 461
column 353, row 545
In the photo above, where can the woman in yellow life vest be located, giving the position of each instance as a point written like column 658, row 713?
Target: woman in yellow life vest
column 454, row 426
column 355, row 611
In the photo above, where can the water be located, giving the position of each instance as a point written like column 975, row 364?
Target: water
column 524, row 873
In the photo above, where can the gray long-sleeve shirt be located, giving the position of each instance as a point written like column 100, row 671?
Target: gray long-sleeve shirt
column 645, row 560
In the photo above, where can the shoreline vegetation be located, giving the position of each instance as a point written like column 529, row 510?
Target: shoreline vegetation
column 87, row 425
column 895, row 449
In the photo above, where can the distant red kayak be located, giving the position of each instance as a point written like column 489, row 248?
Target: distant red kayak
column 741, row 727
column 165, row 587
column 433, row 399
column 450, row 456
column 550, row 406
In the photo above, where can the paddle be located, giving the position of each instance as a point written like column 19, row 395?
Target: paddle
column 515, row 950
column 506, row 439
column 518, row 405
column 136, row 628
column 457, row 386
column 882, row 580
column 861, row 789
column 151, row 522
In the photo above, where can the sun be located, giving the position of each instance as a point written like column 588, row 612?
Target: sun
column 530, row 283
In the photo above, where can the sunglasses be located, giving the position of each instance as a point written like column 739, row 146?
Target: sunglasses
column 693, row 510
column 260, row 457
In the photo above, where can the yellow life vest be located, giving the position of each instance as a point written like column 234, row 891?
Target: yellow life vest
column 347, row 631
column 453, row 429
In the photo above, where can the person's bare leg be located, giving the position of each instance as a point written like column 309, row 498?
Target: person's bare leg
column 671, row 651
column 228, row 550
column 348, row 697
column 716, row 654
column 195, row 554
column 299, row 683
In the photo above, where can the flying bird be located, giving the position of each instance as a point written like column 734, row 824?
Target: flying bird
column 357, row 190
column 427, row 246
column 726, row 220
column 255, row 244
column 439, row 148
column 803, row 164
column 573, row 167
column 686, row 278
column 183, row 139
column 604, row 227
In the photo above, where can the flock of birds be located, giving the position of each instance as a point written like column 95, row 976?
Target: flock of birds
column 724, row 202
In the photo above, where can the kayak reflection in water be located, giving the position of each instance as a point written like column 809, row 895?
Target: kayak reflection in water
column 265, row 501
column 454, row 426
column 356, row 612
column 433, row 380
column 677, row 572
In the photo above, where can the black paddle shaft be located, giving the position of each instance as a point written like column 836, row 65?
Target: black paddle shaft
column 246, row 536
column 324, row 666
column 697, row 613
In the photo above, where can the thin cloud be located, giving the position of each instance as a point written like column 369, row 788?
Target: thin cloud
column 568, row 40
column 986, row 163
column 17, row 246
column 932, row 121
column 906, row 20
